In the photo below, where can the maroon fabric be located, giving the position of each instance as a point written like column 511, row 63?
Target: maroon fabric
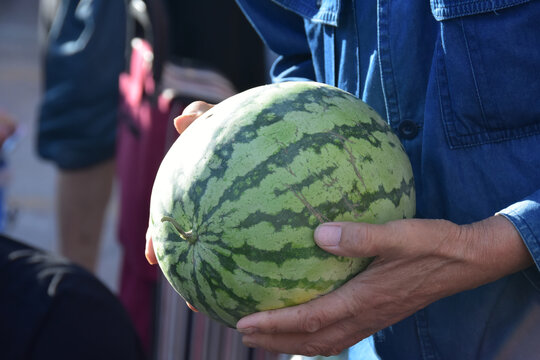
column 143, row 128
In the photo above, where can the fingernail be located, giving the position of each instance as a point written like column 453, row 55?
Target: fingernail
column 328, row 234
column 191, row 112
column 247, row 331
column 247, row 325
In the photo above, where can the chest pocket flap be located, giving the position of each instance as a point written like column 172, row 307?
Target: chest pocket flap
column 449, row 9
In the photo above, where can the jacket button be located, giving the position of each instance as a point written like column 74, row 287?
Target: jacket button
column 408, row 129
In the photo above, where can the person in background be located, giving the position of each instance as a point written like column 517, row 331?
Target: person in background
column 78, row 114
column 52, row 308
column 84, row 54
column 458, row 83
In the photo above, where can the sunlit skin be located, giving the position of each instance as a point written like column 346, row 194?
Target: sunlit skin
column 7, row 127
column 417, row 262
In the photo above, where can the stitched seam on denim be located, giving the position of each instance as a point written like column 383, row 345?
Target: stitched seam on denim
column 426, row 346
column 441, row 12
column 444, row 97
column 493, row 3
column 391, row 70
column 359, row 74
column 492, row 137
column 477, row 90
column 385, row 64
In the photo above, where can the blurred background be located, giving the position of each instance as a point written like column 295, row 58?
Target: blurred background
column 27, row 181
column 28, row 194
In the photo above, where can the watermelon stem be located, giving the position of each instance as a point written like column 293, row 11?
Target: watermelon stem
column 188, row 236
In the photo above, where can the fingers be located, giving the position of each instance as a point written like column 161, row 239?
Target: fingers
column 355, row 239
column 309, row 317
column 191, row 307
column 190, row 114
column 149, row 250
column 151, row 258
column 329, row 341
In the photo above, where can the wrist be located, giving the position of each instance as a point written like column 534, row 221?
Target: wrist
column 497, row 247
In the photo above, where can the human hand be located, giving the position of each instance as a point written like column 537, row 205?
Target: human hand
column 417, row 262
column 190, row 114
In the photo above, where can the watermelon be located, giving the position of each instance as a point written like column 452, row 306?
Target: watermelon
column 238, row 196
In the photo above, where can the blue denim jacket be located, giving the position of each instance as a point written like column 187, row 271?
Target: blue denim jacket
column 458, row 82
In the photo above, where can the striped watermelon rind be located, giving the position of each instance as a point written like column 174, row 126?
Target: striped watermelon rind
column 238, row 196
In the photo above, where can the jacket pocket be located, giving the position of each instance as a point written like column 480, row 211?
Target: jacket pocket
column 486, row 62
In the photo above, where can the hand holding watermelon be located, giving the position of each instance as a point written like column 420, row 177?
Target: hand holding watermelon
column 417, row 262
column 190, row 114
column 238, row 196
column 235, row 229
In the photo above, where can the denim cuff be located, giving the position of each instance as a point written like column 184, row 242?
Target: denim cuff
column 525, row 215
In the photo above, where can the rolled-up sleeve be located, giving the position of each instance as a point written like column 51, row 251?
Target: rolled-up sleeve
column 283, row 32
column 525, row 215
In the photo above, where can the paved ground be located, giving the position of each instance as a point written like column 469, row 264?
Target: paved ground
column 31, row 185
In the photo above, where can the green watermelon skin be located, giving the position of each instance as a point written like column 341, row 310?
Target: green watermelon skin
column 238, row 196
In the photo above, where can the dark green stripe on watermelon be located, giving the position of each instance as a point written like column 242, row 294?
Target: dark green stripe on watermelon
column 254, row 177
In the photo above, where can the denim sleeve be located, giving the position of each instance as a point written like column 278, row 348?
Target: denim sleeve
column 525, row 215
column 82, row 60
column 283, row 32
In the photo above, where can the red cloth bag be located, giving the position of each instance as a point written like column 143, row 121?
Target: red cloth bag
column 144, row 133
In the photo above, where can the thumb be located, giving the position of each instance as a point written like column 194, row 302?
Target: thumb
column 352, row 239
